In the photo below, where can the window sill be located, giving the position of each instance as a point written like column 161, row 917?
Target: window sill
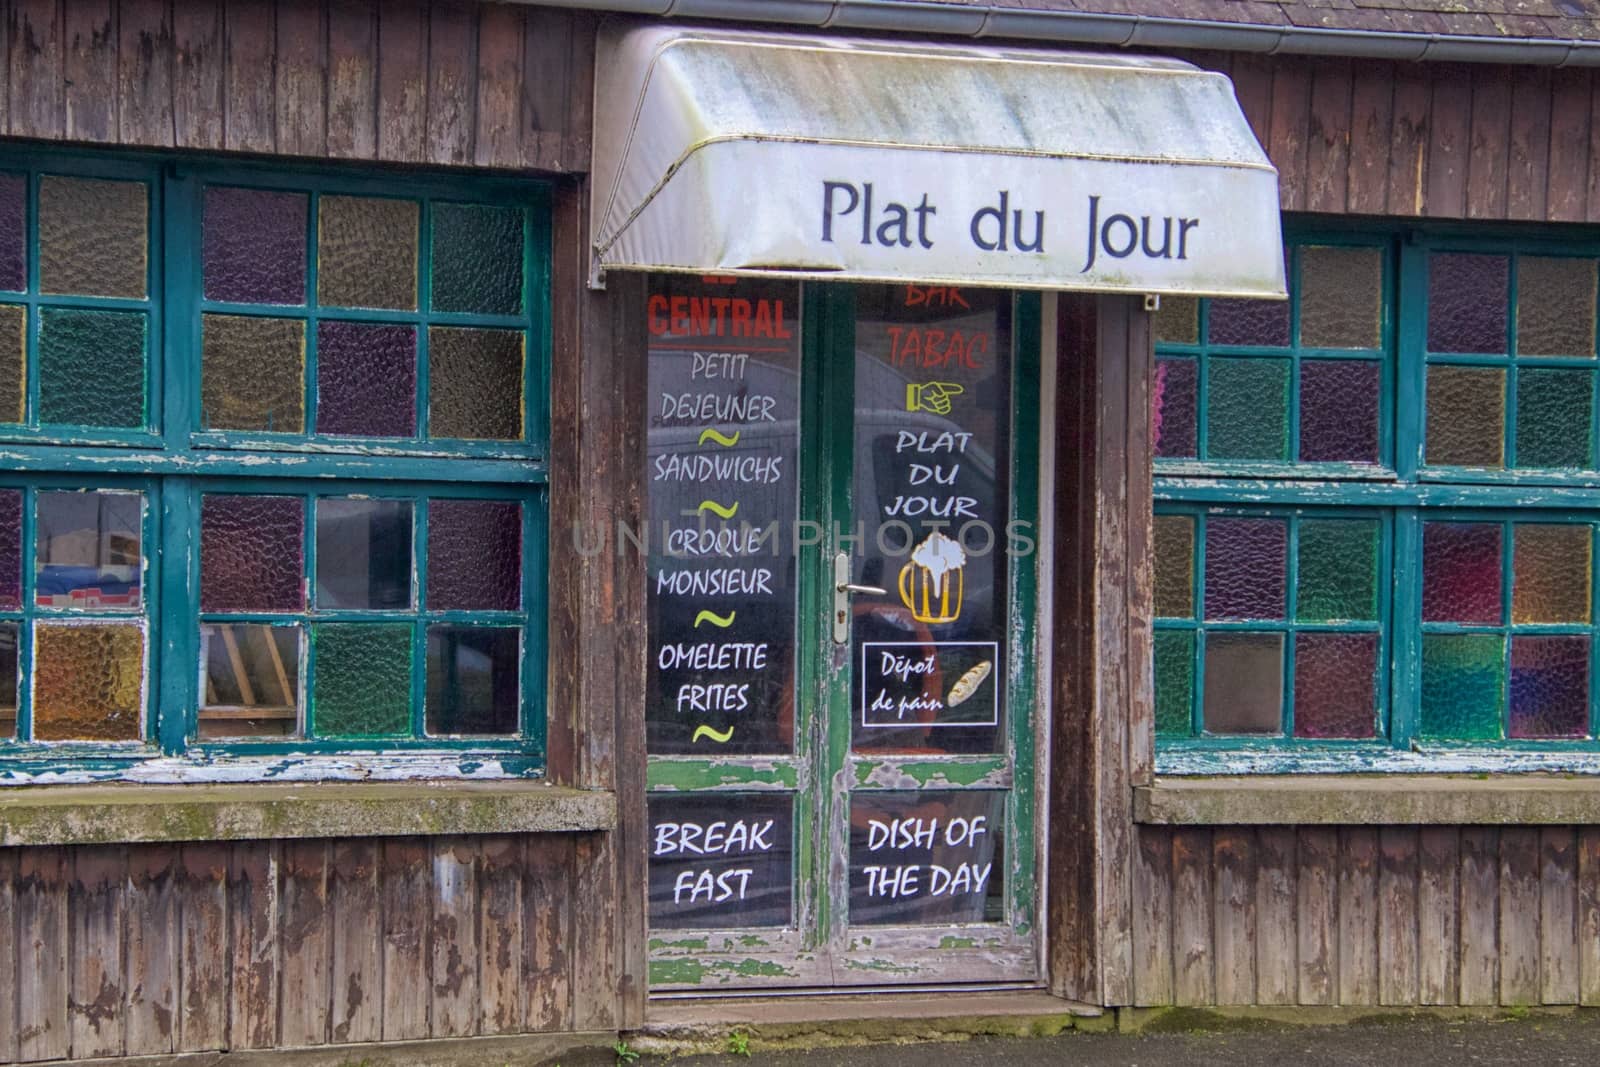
column 1394, row 799
column 130, row 813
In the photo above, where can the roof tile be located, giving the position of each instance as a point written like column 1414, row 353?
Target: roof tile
column 1370, row 19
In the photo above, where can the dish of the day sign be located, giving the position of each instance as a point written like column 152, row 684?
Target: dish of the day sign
column 926, row 857
column 723, row 401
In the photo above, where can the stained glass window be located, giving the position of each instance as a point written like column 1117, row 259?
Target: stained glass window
column 1507, row 628
column 1442, row 597
column 77, row 314
column 279, row 464
column 74, row 649
column 1279, row 382
column 1510, row 376
column 320, row 593
column 415, row 332
column 1269, row 623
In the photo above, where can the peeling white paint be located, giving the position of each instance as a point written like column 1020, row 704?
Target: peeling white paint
column 237, row 770
column 1423, row 760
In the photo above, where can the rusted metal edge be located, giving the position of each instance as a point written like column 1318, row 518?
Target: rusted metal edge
column 115, row 814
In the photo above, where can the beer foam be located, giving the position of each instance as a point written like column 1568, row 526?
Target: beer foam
column 939, row 555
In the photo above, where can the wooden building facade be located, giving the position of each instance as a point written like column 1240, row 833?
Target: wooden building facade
column 182, row 912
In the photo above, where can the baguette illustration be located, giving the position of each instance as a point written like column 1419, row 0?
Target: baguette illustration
column 968, row 684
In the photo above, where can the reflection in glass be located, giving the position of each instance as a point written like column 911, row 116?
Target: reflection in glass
column 931, row 856
column 363, row 553
column 8, row 680
column 744, row 878
column 473, row 679
column 86, row 550
column 249, row 680
column 723, row 478
column 933, row 425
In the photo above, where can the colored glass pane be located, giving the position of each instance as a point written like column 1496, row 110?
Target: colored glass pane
column 1554, row 409
column 474, row 680
column 13, row 362
column 363, row 553
column 88, row 682
column 1555, row 306
column 1463, row 686
column 1174, row 562
column 10, row 549
column 1248, row 322
column 1176, row 407
column 1466, row 416
column 251, row 553
column 1177, row 321
column 1467, row 301
column 361, row 680
column 474, row 555
column 1549, row 687
column 1246, row 562
column 250, row 685
column 1461, row 572
column 1247, row 413
column 1243, row 683
column 367, row 252
column 477, row 258
column 1550, row 572
column 1174, row 663
column 366, row 379
column 93, row 237
column 86, row 550
column 254, row 246
column 1338, row 573
column 9, row 634
column 91, row 367
column 475, row 383
column 1335, row 682
column 252, row 373
column 13, row 232
column 1341, row 297
column 1339, row 410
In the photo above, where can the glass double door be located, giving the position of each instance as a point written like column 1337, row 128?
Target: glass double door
column 841, row 708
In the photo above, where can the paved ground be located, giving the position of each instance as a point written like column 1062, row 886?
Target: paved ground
column 1542, row 1041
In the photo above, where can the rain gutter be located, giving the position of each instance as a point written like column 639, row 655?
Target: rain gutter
column 1114, row 30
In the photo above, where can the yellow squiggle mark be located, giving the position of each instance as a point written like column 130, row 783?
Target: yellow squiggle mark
column 705, row 731
column 711, row 433
column 718, row 509
column 722, row 622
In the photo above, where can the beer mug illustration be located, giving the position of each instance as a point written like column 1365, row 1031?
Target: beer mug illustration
column 931, row 584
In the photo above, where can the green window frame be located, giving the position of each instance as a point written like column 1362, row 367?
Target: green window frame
column 447, row 425
column 1485, row 623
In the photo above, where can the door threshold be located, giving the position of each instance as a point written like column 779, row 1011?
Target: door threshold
column 947, row 1010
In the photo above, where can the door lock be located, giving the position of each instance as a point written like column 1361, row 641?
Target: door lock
column 843, row 589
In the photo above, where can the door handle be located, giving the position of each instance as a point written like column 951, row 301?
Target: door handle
column 843, row 589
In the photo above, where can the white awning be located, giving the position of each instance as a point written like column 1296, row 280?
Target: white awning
column 733, row 152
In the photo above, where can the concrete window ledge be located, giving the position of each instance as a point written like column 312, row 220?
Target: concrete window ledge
column 1411, row 799
column 116, row 814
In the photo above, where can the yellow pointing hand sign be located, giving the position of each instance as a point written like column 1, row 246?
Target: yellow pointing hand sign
column 931, row 396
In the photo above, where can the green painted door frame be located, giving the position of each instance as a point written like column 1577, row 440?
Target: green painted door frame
column 820, row 948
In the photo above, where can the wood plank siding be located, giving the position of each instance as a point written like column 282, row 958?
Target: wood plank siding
column 1424, row 140
column 1363, row 915
column 487, row 85
column 155, row 949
